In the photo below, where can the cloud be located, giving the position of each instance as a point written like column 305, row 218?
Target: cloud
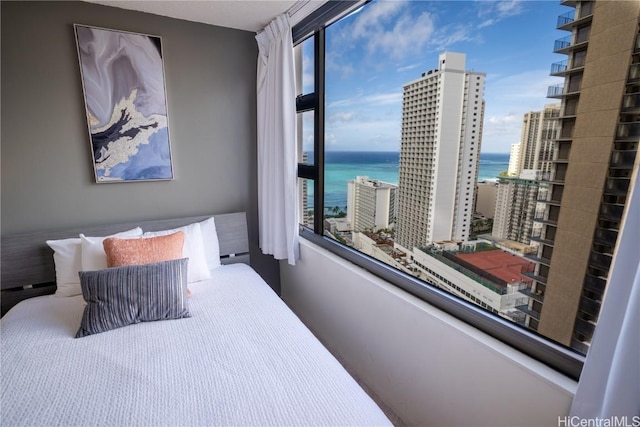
column 393, row 29
column 407, row 35
column 508, row 98
column 375, row 15
column 526, row 88
column 333, row 63
column 341, row 117
column 388, row 27
column 492, row 12
column 375, row 99
column 487, row 23
column 408, row 67
column 307, row 73
column 451, row 35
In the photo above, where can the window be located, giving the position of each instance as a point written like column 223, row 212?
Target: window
column 394, row 163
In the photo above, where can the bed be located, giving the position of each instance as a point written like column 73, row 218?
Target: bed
column 240, row 357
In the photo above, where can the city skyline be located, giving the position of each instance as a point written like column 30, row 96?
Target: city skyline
column 371, row 55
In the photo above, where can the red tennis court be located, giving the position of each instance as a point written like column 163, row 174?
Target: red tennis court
column 497, row 262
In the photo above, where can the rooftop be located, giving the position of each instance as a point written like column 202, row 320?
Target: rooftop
column 501, row 264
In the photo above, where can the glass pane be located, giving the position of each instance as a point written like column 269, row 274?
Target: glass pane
column 305, row 137
column 417, row 178
column 306, row 202
column 304, row 57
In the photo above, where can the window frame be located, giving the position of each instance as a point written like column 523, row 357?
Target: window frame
column 561, row 358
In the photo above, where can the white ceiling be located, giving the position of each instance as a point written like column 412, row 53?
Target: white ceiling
column 249, row 15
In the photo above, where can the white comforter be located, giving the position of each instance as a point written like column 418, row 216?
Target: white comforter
column 243, row 358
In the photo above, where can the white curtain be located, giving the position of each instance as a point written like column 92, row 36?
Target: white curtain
column 277, row 147
column 609, row 386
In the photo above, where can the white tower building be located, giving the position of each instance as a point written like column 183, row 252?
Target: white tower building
column 371, row 204
column 442, row 117
column 514, row 160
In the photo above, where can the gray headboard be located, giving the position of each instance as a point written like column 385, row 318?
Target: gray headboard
column 27, row 268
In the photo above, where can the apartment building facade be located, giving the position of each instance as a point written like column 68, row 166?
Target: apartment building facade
column 371, row 204
column 516, row 206
column 442, row 116
column 590, row 177
column 539, row 133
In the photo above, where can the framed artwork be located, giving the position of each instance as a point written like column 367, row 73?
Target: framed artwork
column 125, row 100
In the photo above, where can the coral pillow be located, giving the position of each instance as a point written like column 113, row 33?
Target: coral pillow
column 143, row 250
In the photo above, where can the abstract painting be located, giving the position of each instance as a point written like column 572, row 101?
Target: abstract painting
column 124, row 91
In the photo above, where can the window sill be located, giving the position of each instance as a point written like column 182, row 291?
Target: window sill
column 418, row 359
column 520, row 340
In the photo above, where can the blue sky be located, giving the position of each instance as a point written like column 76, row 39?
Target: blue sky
column 375, row 51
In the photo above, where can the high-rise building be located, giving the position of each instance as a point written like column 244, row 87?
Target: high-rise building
column 306, row 214
column 515, row 208
column 595, row 155
column 442, row 115
column 371, row 204
column 486, row 193
column 514, row 160
column 539, row 133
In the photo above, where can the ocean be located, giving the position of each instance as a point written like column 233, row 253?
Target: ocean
column 341, row 166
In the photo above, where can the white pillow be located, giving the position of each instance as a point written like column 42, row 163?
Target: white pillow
column 211, row 243
column 93, row 254
column 68, row 262
column 67, row 258
column 193, row 249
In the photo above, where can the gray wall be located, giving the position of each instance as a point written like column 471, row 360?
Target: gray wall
column 47, row 174
column 428, row 367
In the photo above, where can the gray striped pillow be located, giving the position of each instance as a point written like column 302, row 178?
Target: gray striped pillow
column 122, row 296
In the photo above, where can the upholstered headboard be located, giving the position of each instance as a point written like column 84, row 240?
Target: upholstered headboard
column 27, row 268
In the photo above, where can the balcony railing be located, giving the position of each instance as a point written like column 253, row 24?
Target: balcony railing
column 537, row 236
column 631, row 103
column 634, row 73
column 526, row 310
column 600, row 261
column 623, row 159
column 589, row 306
column 611, row 212
column 544, row 176
column 580, row 346
column 584, row 327
column 566, row 18
column 562, row 43
column 558, row 67
column 550, row 201
column 538, row 296
column 628, row 131
column 539, row 260
column 539, row 279
column 595, row 284
column 605, row 236
column 555, row 91
column 616, row 186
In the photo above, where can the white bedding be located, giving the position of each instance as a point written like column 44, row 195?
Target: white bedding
column 243, row 358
